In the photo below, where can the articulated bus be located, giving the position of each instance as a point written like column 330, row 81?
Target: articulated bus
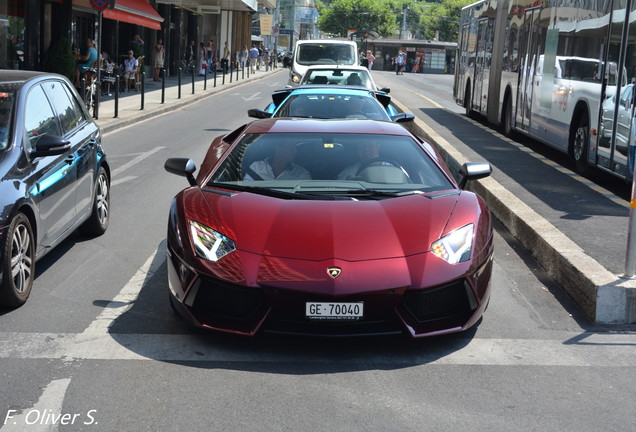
column 559, row 71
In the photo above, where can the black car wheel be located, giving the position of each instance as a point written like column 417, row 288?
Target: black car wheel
column 100, row 215
column 18, row 265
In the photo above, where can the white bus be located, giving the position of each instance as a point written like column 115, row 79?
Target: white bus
column 559, row 71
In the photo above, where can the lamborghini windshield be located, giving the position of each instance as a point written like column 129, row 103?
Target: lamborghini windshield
column 310, row 164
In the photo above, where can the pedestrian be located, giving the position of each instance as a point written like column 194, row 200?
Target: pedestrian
column 253, row 56
column 266, row 57
column 203, row 63
column 159, row 59
column 209, row 53
column 226, row 57
column 243, row 55
column 370, row 59
column 399, row 64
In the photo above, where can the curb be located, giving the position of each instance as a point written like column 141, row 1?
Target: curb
column 603, row 296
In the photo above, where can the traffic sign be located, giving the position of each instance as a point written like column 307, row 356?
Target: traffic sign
column 100, row 5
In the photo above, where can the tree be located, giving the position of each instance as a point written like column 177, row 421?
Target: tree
column 442, row 18
column 61, row 59
column 344, row 15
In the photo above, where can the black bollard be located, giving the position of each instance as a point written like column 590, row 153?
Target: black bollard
column 143, row 88
column 163, row 85
column 179, row 84
column 116, row 96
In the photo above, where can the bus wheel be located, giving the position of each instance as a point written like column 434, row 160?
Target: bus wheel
column 579, row 144
column 469, row 111
column 507, row 119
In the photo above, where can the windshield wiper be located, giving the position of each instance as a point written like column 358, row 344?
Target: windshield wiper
column 363, row 193
column 275, row 193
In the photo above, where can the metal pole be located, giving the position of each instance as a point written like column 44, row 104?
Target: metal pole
column 163, row 85
column 179, row 84
column 214, row 75
column 192, row 81
column 143, row 82
column 116, row 96
column 205, row 79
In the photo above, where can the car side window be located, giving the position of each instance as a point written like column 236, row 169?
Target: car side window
column 67, row 108
column 39, row 118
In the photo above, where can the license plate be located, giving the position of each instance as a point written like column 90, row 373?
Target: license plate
column 334, row 311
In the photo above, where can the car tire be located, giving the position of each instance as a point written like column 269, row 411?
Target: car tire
column 18, row 265
column 97, row 223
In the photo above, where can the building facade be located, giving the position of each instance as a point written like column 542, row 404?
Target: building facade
column 29, row 28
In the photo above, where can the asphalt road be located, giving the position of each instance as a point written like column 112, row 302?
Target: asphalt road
column 97, row 347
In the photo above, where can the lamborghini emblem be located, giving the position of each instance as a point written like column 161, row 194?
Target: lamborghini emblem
column 334, row 272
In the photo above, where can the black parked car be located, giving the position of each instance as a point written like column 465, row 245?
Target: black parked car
column 54, row 176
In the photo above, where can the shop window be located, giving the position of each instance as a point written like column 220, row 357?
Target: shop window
column 11, row 34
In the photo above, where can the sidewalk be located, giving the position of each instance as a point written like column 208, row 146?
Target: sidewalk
column 129, row 104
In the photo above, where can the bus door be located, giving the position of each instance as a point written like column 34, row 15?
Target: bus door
column 528, row 49
column 482, row 65
column 616, row 124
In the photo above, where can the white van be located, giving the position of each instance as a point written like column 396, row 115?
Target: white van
column 321, row 52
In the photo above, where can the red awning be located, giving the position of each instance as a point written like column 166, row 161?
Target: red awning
column 135, row 12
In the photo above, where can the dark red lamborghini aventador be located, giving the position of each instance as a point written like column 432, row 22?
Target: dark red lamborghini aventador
column 328, row 227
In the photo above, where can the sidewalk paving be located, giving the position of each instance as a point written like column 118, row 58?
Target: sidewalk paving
column 129, row 103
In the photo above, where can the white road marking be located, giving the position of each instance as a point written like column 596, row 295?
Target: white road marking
column 126, row 297
column 251, row 97
column 135, row 161
column 610, row 351
column 45, row 415
column 98, row 343
column 121, row 180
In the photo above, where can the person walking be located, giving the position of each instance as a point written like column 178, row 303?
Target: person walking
column 399, row 64
column 370, row 59
column 253, row 56
column 226, row 58
column 243, row 55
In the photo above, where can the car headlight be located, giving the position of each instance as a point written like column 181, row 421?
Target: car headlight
column 455, row 247
column 210, row 244
column 295, row 78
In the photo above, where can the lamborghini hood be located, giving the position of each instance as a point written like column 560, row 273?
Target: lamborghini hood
column 318, row 230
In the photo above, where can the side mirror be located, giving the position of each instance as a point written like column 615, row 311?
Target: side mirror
column 50, row 145
column 403, row 118
column 183, row 167
column 385, row 90
column 473, row 171
column 258, row 113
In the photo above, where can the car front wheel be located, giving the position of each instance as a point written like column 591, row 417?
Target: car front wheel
column 18, row 265
column 97, row 223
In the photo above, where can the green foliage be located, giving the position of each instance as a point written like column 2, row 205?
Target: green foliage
column 343, row 15
column 60, row 59
column 424, row 19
